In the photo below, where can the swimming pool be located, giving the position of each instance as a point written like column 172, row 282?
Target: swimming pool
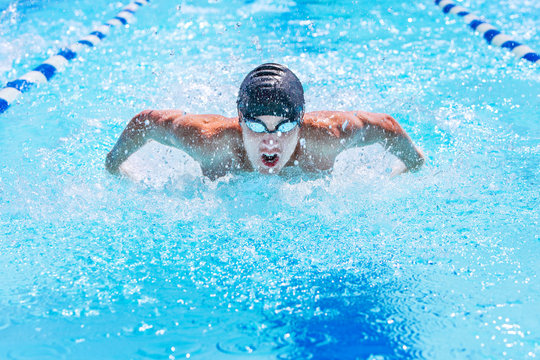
column 440, row 264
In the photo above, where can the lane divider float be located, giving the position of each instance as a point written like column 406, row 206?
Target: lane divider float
column 489, row 32
column 45, row 71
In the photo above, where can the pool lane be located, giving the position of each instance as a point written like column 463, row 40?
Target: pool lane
column 45, row 71
column 489, row 32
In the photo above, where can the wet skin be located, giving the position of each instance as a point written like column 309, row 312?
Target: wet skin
column 222, row 145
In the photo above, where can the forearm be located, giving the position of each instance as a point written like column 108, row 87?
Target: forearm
column 404, row 149
column 384, row 129
column 135, row 135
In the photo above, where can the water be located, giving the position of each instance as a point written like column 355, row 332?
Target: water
column 440, row 264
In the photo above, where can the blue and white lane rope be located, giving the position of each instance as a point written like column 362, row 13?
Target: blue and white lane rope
column 49, row 67
column 490, row 33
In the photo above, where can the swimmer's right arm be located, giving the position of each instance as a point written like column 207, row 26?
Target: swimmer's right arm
column 147, row 125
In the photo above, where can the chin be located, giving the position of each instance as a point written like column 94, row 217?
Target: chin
column 268, row 170
column 269, row 163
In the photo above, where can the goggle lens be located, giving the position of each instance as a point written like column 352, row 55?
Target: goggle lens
column 258, row 126
column 287, row 126
column 255, row 126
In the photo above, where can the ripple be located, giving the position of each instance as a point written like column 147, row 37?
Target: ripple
column 5, row 321
column 295, row 354
column 319, row 339
column 195, row 321
column 164, row 348
column 244, row 345
column 41, row 352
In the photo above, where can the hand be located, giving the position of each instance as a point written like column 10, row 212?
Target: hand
column 401, row 168
column 398, row 169
column 415, row 161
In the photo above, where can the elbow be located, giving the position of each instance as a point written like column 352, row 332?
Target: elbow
column 145, row 113
column 143, row 122
column 391, row 125
column 385, row 125
column 142, row 117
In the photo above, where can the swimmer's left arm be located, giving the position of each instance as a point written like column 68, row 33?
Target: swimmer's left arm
column 370, row 128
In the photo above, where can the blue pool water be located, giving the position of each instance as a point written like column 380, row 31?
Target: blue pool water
column 441, row 264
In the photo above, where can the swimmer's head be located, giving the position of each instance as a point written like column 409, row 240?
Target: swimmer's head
column 270, row 109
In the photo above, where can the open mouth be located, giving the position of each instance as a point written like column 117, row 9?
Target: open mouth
column 270, row 160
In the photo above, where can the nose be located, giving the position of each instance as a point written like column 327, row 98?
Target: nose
column 270, row 141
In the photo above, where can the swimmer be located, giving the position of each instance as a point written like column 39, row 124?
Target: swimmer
column 271, row 131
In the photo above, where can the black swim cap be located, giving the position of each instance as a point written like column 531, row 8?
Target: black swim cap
column 271, row 89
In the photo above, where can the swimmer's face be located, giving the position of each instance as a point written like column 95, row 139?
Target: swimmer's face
column 269, row 152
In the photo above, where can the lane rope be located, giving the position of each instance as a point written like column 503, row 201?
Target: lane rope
column 489, row 32
column 56, row 63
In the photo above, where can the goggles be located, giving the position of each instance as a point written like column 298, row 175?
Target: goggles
column 259, row 127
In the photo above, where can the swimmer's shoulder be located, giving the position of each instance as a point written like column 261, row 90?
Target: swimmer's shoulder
column 343, row 123
column 212, row 125
column 205, row 125
column 335, row 124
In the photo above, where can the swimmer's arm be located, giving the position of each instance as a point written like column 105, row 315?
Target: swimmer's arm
column 384, row 129
column 148, row 125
